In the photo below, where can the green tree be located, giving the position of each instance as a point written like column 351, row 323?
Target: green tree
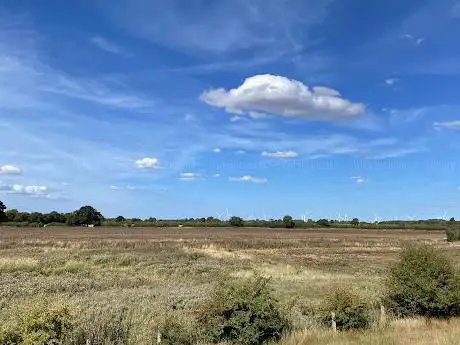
column 452, row 220
column 236, row 221
column 323, row 223
column 120, row 219
column 86, row 215
column 288, row 222
column 2, row 211
column 355, row 222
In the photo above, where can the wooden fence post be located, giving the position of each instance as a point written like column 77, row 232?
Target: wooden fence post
column 382, row 314
column 334, row 324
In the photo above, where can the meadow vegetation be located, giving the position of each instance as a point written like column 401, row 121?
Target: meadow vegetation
column 246, row 286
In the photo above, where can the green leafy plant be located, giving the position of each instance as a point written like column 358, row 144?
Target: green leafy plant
column 37, row 324
column 453, row 233
column 243, row 313
column 423, row 282
column 347, row 308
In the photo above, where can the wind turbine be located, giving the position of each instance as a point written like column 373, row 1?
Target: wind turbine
column 444, row 215
column 304, row 216
column 227, row 214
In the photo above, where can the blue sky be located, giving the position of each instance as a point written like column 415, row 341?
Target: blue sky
column 256, row 108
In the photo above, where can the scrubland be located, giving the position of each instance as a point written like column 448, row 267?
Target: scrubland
column 120, row 286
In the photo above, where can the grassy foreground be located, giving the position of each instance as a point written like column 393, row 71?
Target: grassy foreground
column 400, row 332
column 135, row 283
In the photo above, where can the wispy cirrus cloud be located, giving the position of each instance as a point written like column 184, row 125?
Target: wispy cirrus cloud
column 262, row 25
column 416, row 40
column 456, row 10
column 108, row 46
column 30, row 82
column 447, row 125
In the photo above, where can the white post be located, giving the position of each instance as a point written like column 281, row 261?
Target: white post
column 382, row 314
column 334, row 324
column 158, row 337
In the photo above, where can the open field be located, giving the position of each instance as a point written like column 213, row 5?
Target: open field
column 136, row 233
column 155, row 271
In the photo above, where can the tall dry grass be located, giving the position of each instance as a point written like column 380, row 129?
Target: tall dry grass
column 150, row 281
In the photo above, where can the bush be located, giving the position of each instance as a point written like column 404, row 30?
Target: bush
column 243, row 313
column 423, row 282
column 236, row 221
column 351, row 311
column 323, row 223
column 453, row 233
column 37, row 324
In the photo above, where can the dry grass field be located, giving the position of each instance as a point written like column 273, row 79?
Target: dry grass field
column 148, row 273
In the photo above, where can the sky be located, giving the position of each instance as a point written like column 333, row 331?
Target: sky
column 254, row 108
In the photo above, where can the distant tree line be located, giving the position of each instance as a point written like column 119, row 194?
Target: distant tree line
column 89, row 216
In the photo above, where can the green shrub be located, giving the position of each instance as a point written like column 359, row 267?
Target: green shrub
column 423, row 282
column 453, row 233
column 243, row 313
column 236, row 221
column 37, row 324
column 351, row 311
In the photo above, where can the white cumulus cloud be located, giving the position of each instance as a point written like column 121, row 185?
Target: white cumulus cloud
column 280, row 154
column 248, row 179
column 9, row 170
column 447, row 125
column 359, row 179
column 42, row 191
column 188, row 176
column 279, row 95
column 147, row 163
column 216, row 150
column 391, row 81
